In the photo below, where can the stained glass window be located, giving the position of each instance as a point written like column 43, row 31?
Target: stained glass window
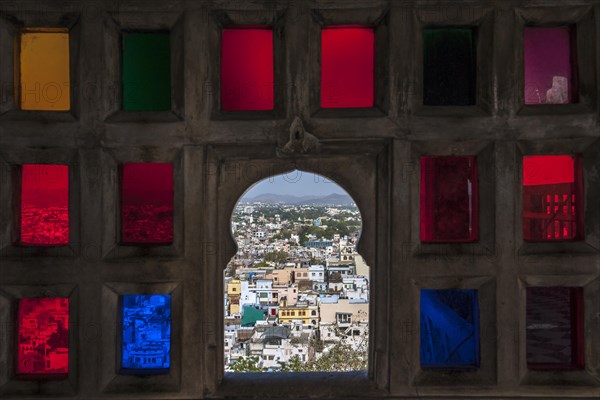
column 449, row 328
column 449, row 199
column 147, row 203
column 43, row 340
column 45, row 80
column 449, row 62
column 146, row 71
column 347, row 67
column 554, row 328
column 44, row 204
column 247, row 76
column 548, row 65
column 146, row 336
column 551, row 198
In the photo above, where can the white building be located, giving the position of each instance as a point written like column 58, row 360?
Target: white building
column 316, row 273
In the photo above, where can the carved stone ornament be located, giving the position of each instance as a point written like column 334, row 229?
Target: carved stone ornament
column 301, row 141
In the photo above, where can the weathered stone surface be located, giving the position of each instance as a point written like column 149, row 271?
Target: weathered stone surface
column 372, row 153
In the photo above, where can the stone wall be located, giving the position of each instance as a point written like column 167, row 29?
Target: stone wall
column 373, row 153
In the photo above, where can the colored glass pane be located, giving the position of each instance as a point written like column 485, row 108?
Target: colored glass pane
column 548, row 69
column 449, row 199
column 347, row 67
column 554, row 328
column 247, row 69
column 44, row 204
column 146, row 72
column 43, row 340
column 146, row 336
column 45, row 81
column 147, row 203
column 551, row 198
column 449, row 66
column 449, row 328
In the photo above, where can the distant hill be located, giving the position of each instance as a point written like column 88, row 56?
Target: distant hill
column 271, row 198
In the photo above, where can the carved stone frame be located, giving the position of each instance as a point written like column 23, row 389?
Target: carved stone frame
column 11, row 26
column 375, row 17
column 231, row 170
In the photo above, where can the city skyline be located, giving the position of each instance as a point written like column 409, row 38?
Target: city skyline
column 295, row 183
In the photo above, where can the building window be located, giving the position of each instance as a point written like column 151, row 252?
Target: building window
column 247, row 69
column 449, row 199
column 44, row 205
column 347, row 67
column 449, row 328
column 44, row 69
column 449, row 66
column 147, row 203
column 344, row 318
column 549, row 65
column 552, row 198
column 146, row 71
column 555, row 337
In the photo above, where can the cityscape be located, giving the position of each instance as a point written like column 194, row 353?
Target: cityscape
column 296, row 292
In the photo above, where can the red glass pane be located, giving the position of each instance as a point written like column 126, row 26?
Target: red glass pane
column 147, row 203
column 247, row 69
column 449, row 199
column 555, row 337
column 44, row 204
column 551, row 198
column 43, row 340
column 548, row 69
column 347, row 67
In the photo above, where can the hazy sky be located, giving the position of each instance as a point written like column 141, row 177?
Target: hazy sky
column 296, row 183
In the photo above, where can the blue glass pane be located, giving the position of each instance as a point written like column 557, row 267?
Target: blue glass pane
column 146, row 340
column 449, row 328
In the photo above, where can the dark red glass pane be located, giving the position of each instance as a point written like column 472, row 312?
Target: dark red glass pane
column 147, row 203
column 449, row 199
column 548, row 68
column 43, row 340
column 555, row 328
column 551, row 198
column 44, row 204
column 347, row 67
column 247, row 69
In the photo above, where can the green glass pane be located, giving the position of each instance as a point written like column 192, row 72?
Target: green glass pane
column 146, row 72
column 449, row 66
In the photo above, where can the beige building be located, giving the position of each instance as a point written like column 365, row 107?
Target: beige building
column 300, row 274
column 289, row 293
column 331, row 312
column 280, row 276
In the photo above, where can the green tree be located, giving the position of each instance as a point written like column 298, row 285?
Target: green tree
column 340, row 357
column 247, row 364
column 261, row 265
column 279, row 257
column 294, row 365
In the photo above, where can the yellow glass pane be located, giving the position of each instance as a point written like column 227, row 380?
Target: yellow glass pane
column 45, row 83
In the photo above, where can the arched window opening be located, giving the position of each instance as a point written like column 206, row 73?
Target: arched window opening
column 296, row 271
